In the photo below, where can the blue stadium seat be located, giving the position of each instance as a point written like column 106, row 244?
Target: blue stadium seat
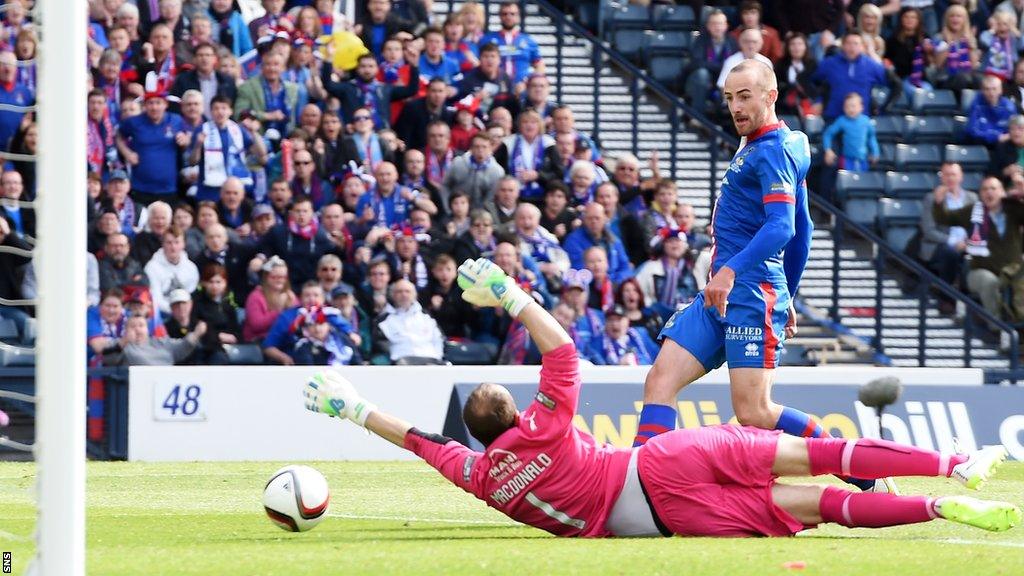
column 666, row 69
column 902, row 103
column 970, row 158
column 959, row 128
column 910, row 184
column 669, row 44
column 934, row 102
column 629, row 17
column 630, row 43
column 813, row 127
column 674, row 18
column 923, row 129
column 8, row 330
column 880, row 98
column 888, row 128
column 17, row 356
column 898, row 220
column 972, row 181
column 917, row 157
column 967, row 96
column 860, row 184
column 887, row 158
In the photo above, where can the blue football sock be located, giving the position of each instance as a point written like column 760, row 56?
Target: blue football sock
column 797, row 423
column 654, row 419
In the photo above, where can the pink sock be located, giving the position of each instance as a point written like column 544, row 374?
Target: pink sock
column 869, row 458
column 874, row 510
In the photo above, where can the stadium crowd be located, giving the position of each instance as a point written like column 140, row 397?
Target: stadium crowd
column 298, row 183
column 298, row 187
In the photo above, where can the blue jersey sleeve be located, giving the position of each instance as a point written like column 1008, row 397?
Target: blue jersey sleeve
column 778, row 172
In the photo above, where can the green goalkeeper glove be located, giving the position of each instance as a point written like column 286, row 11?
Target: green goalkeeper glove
column 330, row 393
column 484, row 284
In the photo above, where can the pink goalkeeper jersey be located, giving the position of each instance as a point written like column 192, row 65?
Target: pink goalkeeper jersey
column 543, row 472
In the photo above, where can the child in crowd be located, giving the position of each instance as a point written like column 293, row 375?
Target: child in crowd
column 860, row 147
column 323, row 344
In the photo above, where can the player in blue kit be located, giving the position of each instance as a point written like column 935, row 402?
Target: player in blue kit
column 762, row 236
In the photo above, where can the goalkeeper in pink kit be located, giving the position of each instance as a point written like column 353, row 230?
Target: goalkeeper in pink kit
column 538, row 469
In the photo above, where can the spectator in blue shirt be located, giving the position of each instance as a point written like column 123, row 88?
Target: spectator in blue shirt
column 434, row 63
column 849, row 71
column 279, row 344
column 594, row 232
column 989, row 120
column 520, row 55
column 149, row 143
column 390, row 203
column 860, row 147
column 11, row 93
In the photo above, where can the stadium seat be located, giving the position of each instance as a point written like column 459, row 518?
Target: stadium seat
column 970, row 158
column 934, row 102
column 888, row 128
column 860, row 184
column 813, row 127
column 898, row 220
column 967, row 96
column 243, row 354
column 880, row 96
column 629, row 17
column 859, row 193
column 922, row 129
column 8, row 330
column 674, row 18
column 901, row 104
column 666, row 69
column 17, row 356
column 887, row 158
column 959, row 128
column 630, row 43
column 668, row 44
column 917, row 157
column 910, row 185
column 972, row 181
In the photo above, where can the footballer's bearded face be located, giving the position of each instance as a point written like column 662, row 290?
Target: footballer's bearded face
column 750, row 101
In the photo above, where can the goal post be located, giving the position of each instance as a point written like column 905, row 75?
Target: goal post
column 60, row 265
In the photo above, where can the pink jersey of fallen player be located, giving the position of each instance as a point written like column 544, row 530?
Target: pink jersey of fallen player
column 543, row 472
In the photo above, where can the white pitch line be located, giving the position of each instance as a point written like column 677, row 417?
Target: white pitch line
column 436, row 520
column 9, row 536
column 983, row 543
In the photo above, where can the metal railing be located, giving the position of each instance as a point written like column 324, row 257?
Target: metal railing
column 885, row 258
column 887, row 261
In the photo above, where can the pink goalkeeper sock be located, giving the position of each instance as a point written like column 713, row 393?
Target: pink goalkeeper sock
column 874, row 510
column 869, row 458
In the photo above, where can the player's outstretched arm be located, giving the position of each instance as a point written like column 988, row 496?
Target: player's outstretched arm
column 332, row 394
column 484, row 284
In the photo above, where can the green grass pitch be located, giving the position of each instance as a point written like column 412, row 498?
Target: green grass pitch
column 403, row 518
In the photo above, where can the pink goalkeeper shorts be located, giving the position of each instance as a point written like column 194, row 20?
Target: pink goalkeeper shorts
column 715, row 481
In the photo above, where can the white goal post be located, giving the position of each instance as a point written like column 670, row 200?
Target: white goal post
column 60, row 267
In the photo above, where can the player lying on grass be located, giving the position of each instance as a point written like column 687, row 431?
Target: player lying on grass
column 540, row 470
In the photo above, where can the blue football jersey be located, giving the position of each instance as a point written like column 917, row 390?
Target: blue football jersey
column 770, row 166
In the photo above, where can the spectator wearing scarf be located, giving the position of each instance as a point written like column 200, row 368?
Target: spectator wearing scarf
column 365, row 91
column 531, row 157
column 300, row 242
column 993, row 240
column 668, row 280
column 273, row 101
column 218, row 147
column 621, row 345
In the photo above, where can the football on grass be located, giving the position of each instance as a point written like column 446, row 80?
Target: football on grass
column 296, row 498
